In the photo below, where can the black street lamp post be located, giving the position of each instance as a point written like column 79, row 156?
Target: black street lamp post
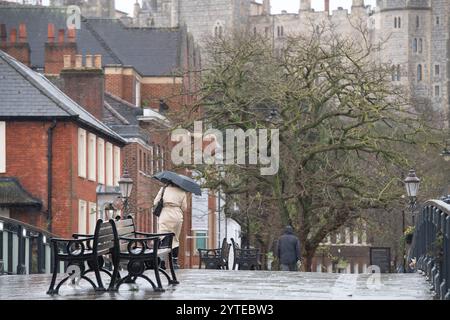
column 125, row 185
column 412, row 184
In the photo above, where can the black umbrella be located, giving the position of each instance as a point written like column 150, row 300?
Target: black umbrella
column 185, row 183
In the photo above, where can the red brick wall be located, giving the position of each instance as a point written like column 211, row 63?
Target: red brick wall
column 26, row 149
column 122, row 86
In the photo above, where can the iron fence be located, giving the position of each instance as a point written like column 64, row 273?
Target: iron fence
column 431, row 244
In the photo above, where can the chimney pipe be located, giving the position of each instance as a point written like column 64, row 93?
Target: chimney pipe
column 89, row 61
column 22, row 33
column 3, row 34
column 67, row 61
column 78, row 61
column 327, row 6
column 98, row 61
column 13, row 36
column 61, row 34
column 51, row 33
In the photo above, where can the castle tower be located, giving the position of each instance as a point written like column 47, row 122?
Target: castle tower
column 174, row 17
column 136, row 9
column 266, row 7
column 305, row 5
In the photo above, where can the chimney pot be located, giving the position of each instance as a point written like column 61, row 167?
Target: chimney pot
column 67, row 61
column 98, row 61
column 22, row 33
column 61, row 34
column 89, row 61
column 78, row 61
column 51, row 33
column 71, row 34
column 13, row 36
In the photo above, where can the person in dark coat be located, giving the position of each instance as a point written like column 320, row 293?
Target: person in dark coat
column 288, row 250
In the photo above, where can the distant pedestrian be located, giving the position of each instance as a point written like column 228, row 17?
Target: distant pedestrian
column 288, row 250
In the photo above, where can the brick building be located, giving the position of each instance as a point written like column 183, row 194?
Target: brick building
column 52, row 150
column 142, row 78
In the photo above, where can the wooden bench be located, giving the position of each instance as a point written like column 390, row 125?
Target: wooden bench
column 141, row 251
column 245, row 259
column 78, row 251
column 215, row 258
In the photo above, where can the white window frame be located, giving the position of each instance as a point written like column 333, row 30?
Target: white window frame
column 158, row 148
column 82, row 217
column 92, row 217
column 2, row 147
column 116, row 155
column 151, row 161
column 92, row 157
column 101, row 160
column 82, row 153
column 109, row 173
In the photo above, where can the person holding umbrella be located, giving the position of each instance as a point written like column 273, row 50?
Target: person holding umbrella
column 174, row 196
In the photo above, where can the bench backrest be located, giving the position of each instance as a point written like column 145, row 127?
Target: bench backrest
column 103, row 237
column 125, row 228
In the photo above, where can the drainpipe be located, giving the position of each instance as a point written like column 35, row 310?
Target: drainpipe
column 50, row 174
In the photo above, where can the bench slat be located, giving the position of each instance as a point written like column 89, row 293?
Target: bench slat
column 125, row 230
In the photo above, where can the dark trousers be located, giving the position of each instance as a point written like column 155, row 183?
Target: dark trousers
column 289, row 267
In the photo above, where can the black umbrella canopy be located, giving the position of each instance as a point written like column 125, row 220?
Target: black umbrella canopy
column 184, row 182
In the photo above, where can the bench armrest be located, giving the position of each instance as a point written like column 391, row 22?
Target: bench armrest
column 154, row 234
column 138, row 239
column 81, row 235
column 72, row 240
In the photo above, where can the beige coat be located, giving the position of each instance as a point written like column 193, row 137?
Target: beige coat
column 171, row 218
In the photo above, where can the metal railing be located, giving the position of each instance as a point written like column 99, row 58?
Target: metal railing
column 431, row 246
column 24, row 249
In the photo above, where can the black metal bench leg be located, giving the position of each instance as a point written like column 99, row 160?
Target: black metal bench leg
column 158, row 278
column 51, row 289
column 172, row 270
column 114, row 277
column 97, row 276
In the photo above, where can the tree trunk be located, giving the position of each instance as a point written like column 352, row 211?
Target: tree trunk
column 308, row 261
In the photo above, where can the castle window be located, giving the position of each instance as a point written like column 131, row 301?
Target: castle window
column 420, row 45
column 437, row 70
column 399, row 22
column 417, row 22
column 438, row 21
column 218, row 30
column 398, row 73
column 280, row 31
column 395, row 22
column 415, row 45
column 254, row 31
column 266, row 31
column 419, row 72
column 437, row 91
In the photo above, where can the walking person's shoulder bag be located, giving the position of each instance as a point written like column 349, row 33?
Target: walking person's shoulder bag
column 158, row 209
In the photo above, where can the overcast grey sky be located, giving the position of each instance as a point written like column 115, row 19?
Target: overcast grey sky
column 277, row 5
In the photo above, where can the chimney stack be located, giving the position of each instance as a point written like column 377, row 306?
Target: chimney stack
column 327, row 6
column 85, row 83
column 3, row 35
column 17, row 46
column 56, row 49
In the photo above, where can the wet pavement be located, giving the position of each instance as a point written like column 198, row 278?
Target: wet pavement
column 240, row 285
